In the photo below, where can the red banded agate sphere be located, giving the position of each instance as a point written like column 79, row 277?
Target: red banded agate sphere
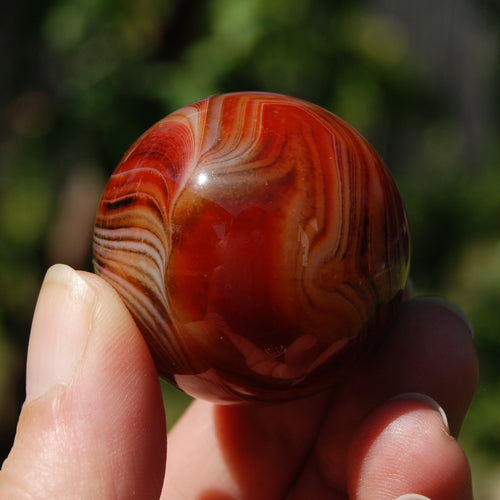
column 258, row 241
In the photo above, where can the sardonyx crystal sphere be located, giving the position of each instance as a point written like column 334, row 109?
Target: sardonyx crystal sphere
column 259, row 242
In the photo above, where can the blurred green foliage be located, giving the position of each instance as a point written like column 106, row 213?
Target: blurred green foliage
column 83, row 78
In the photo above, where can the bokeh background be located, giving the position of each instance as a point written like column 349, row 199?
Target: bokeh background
column 81, row 79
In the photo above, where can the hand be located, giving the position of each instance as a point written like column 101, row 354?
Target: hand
column 93, row 424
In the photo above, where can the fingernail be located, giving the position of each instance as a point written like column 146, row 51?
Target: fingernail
column 454, row 308
column 59, row 332
column 412, row 496
column 423, row 398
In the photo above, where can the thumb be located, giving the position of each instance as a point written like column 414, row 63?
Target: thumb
column 92, row 425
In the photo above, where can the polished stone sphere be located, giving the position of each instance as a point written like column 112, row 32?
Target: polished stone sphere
column 259, row 242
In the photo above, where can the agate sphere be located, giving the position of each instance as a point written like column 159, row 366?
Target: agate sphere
column 258, row 241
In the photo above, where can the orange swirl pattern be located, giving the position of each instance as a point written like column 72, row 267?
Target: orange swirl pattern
column 256, row 239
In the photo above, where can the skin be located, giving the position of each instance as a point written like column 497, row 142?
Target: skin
column 93, row 423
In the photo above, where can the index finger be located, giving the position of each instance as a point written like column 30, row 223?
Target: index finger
column 428, row 350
